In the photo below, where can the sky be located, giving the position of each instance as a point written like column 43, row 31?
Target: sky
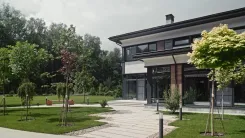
column 105, row 18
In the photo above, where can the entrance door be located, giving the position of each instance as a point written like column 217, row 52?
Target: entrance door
column 141, row 89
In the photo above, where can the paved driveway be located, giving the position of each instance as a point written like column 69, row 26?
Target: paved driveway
column 130, row 120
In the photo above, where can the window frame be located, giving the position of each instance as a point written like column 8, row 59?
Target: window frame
column 172, row 42
column 149, row 47
column 147, row 44
column 180, row 39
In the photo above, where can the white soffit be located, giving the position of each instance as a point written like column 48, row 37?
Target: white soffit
column 183, row 58
column 165, row 60
column 135, row 67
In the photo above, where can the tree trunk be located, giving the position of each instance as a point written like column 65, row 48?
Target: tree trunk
column 212, row 107
column 66, row 100
column 83, row 96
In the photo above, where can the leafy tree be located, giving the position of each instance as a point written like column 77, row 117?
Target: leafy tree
column 12, row 25
column 68, row 60
column 83, row 82
column 36, row 32
column 221, row 50
column 61, row 91
column 46, row 82
column 26, row 59
column 26, row 89
column 5, row 71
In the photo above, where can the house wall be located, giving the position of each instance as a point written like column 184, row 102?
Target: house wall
column 134, row 67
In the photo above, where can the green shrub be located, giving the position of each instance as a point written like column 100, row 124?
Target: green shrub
column 103, row 103
column 9, row 95
column 118, row 92
column 190, row 96
column 172, row 99
column 12, row 92
column 26, row 88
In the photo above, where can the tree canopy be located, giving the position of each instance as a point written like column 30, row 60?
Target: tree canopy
column 221, row 50
column 30, row 43
column 25, row 59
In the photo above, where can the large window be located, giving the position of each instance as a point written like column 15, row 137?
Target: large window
column 142, row 48
column 196, row 37
column 152, row 47
column 168, row 44
column 130, row 52
column 161, row 45
column 181, row 41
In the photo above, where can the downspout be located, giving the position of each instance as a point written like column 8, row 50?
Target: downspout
column 175, row 69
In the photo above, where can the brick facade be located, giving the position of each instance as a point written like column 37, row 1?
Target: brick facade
column 179, row 77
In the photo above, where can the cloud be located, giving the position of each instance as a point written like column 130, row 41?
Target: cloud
column 105, row 18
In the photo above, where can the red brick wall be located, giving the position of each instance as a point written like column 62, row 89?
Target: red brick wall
column 179, row 77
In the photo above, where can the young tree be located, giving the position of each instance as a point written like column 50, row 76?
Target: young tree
column 83, row 82
column 68, row 60
column 221, row 50
column 26, row 60
column 61, row 91
column 5, row 73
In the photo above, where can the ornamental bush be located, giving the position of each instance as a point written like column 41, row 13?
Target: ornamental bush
column 172, row 99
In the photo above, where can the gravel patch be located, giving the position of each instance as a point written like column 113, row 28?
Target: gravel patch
column 84, row 131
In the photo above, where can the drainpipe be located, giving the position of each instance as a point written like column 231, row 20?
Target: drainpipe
column 180, row 105
column 175, row 69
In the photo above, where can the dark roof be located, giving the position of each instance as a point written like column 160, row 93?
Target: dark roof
column 182, row 24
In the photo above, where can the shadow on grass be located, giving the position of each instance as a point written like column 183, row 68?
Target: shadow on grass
column 70, row 119
column 241, row 117
column 36, row 115
column 9, row 111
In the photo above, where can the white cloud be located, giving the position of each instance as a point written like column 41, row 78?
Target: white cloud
column 105, row 18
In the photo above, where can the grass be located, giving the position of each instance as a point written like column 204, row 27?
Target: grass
column 47, row 119
column 194, row 123
column 15, row 101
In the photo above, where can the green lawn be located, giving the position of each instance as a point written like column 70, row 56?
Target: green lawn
column 47, row 119
column 195, row 123
column 15, row 101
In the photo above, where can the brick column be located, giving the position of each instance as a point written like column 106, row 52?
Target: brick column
column 172, row 76
column 179, row 77
column 149, row 84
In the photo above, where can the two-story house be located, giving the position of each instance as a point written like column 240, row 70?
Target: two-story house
column 155, row 59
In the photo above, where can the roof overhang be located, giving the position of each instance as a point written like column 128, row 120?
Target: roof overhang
column 182, row 24
column 166, row 60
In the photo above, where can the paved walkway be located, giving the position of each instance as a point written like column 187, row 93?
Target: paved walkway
column 10, row 133
column 129, row 120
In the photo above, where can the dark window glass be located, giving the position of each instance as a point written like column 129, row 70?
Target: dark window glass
column 240, row 31
column 153, row 47
column 168, row 44
column 160, row 46
column 131, row 89
column 183, row 41
column 128, row 54
column 196, row 37
column 133, row 50
column 142, row 48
